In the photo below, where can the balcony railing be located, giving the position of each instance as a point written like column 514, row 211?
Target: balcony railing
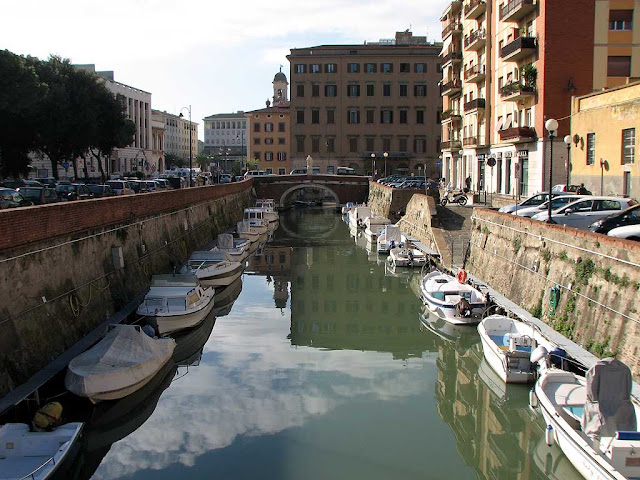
column 516, row 9
column 474, row 104
column 474, row 8
column 451, row 28
column 453, row 84
column 452, row 56
column 517, row 133
column 520, row 46
column 450, row 144
column 474, row 71
column 516, row 89
column 472, row 141
column 478, row 37
column 450, row 115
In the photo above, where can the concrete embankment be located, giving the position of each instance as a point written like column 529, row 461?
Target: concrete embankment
column 60, row 270
column 596, row 279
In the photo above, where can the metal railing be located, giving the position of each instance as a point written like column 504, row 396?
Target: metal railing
column 513, row 6
column 474, row 37
column 518, row 44
column 475, row 104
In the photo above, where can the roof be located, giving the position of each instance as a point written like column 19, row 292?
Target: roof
column 280, row 77
column 271, row 110
column 237, row 115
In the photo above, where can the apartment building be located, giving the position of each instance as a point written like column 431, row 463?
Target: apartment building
column 365, row 105
column 225, row 134
column 507, row 67
column 180, row 135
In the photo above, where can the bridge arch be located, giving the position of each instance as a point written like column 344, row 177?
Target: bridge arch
column 302, row 186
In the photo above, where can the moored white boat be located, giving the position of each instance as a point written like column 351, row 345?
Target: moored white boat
column 236, row 249
column 245, row 230
column 35, row 455
column 255, row 217
column 593, row 419
column 347, row 207
column 175, row 302
column 268, row 205
column 451, row 300
column 390, row 237
column 507, row 344
column 212, row 268
column 357, row 216
column 407, row 256
column 373, row 226
column 120, row 364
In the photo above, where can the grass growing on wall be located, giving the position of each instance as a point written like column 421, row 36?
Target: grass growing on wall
column 584, row 271
column 601, row 349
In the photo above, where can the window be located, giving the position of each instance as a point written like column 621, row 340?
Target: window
column 300, row 116
column 256, row 141
column 330, row 68
column 370, row 67
column 330, row 144
column 282, row 156
column 405, row 67
column 386, row 116
column 300, row 144
column 628, row 146
column 330, row 169
column 330, row 91
column 370, row 90
column 300, row 90
column 268, row 156
column 353, row 67
column 281, row 127
column 386, row 67
column 315, row 144
column 268, row 171
column 403, row 89
column 418, row 145
column 301, row 68
column 281, row 141
column 353, row 145
column 315, row 68
column 256, row 127
column 315, row 90
column 620, row 19
column 420, row 90
column 386, row 90
column 370, row 116
column 370, row 142
column 618, row 66
column 402, row 144
column 403, row 116
column 331, row 117
column 282, row 171
column 353, row 116
column 591, row 148
column 439, row 68
column 386, row 144
column 268, row 127
column 315, row 116
column 420, row 68
column 353, row 90
column 268, row 141
column 420, row 116
column 256, row 155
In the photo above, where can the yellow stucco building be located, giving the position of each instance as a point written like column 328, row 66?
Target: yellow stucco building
column 604, row 129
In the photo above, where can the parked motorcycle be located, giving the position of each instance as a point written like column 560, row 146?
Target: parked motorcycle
column 450, row 197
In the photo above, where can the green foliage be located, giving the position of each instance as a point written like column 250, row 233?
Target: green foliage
column 546, row 255
column 563, row 255
column 536, row 311
column 564, row 325
column 486, row 230
column 173, row 161
column 517, row 243
column 584, row 271
column 570, row 307
column 601, row 349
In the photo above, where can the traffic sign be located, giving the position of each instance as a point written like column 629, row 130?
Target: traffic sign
column 65, row 165
column 491, row 162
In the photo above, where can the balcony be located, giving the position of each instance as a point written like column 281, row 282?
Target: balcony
column 473, row 141
column 518, row 134
column 450, row 29
column 451, row 145
column 516, row 9
column 475, row 40
column 474, row 74
column 519, row 48
column 516, row 91
column 474, row 8
column 453, row 8
column 473, row 105
column 452, row 57
column 450, row 116
column 451, row 88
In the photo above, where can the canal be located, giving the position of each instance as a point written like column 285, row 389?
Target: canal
column 317, row 365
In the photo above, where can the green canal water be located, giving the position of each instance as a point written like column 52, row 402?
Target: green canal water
column 318, row 366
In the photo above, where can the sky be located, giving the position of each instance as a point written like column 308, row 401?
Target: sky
column 217, row 56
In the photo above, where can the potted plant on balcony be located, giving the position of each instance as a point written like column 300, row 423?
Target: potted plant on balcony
column 529, row 73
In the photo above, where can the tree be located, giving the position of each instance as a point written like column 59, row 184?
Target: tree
column 173, row 161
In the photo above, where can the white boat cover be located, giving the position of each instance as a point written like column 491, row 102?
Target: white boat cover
column 125, row 357
column 608, row 407
column 178, row 280
column 208, row 255
column 393, row 234
column 225, row 241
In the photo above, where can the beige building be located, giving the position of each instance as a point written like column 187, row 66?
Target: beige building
column 179, row 133
column 225, row 134
column 157, row 142
column 605, row 127
column 352, row 104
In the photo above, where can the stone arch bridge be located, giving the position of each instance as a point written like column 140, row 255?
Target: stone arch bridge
column 340, row 188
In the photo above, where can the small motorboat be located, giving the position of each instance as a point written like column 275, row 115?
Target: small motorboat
column 390, row 237
column 507, row 344
column 593, row 419
column 357, row 216
column 373, row 226
column 236, row 249
column 269, row 207
column 245, row 230
column 175, row 302
column 213, row 268
column 408, row 256
column 454, row 301
column 26, row 454
column 119, row 364
column 255, row 217
column 347, row 207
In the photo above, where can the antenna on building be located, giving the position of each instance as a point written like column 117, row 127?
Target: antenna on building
column 281, row 68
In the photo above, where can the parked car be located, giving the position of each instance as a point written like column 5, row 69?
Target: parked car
column 163, row 183
column 225, row 178
column 20, row 182
column 255, row 173
column 11, row 198
column 345, row 171
column 583, row 212
column 562, row 188
column 303, row 171
column 630, row 232
column 533, row 201
column 101, row 190
column 75, row 191
column 120, row 187
column 630, row 216
column 556, row 203
column 39, row 195
column 49, row 182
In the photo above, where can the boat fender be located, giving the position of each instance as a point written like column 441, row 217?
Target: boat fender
column 48, row 417
column 548, row 435
column 533, row 398
column 463, row 308
column 462, row 276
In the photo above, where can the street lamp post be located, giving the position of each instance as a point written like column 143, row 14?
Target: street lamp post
column 373, row 165
column 190, row 144
column 552, row 126
column 241, row 137
column 385, row 155
column 567, row 141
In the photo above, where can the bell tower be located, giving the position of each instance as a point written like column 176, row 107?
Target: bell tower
column 280, row 86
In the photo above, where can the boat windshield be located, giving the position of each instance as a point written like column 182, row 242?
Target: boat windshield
column 176, row 304
column 154, row 302
column 192, row 299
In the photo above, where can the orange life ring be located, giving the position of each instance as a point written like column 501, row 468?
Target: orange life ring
column 462, row 276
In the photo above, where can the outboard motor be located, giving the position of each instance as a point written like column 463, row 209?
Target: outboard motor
column 463, row 308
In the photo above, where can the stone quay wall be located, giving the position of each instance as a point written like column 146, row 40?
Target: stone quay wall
column 58, row 277
column 597, row 278
column 393, row 202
